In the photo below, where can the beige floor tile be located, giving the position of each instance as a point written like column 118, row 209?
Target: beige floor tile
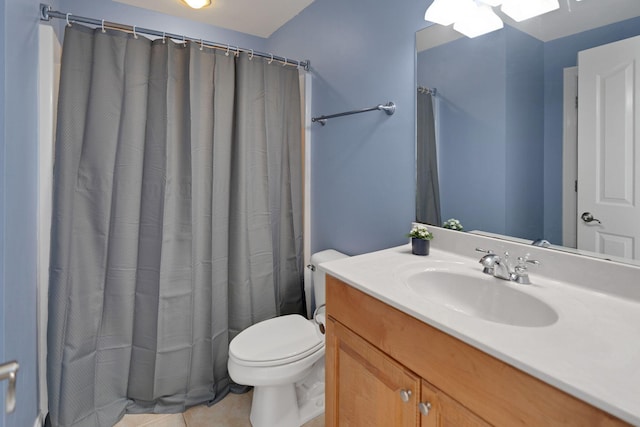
column 232, row 411
column 152, row 420
column 175, row 420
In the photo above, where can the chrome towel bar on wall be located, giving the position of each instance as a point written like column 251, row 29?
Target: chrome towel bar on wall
column 388, row 108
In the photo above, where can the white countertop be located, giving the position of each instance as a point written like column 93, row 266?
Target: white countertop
column 592, row 352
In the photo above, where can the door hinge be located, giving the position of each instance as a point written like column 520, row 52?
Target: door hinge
column 575, row 186
column 576, row 102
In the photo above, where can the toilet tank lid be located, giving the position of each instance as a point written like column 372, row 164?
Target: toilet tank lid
column 326, row 255
column 277, row 339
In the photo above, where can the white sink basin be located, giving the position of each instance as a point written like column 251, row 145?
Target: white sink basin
column 481, row 296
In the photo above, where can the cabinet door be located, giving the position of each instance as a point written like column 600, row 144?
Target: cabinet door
column 439, row 410
column 364, row 386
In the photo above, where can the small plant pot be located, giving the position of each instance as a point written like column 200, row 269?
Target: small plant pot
column 420, row 247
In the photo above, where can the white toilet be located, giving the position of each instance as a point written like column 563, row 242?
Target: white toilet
column 283, row 359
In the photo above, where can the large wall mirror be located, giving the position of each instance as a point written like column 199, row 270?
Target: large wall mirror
column 502, row 116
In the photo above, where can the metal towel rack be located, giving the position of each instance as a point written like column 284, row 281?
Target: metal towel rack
column 388, row 108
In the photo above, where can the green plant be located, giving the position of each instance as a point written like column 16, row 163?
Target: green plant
column 453, row 224
column 420, row 231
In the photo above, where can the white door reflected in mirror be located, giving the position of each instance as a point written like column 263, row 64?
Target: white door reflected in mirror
column 609, row 149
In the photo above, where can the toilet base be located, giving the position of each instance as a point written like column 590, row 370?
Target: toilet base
column 310, row 392
column 289, row 405
column 278, row 406
column 311, row 409
column 275, row 406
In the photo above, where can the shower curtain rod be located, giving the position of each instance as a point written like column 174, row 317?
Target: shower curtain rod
column 46, row 14
column 388, row 108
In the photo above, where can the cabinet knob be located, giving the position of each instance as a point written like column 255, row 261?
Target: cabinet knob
column 424, row 407
column 405, row 395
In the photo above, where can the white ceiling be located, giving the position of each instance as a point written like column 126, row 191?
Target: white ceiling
column 573, row 17
column 256, row 17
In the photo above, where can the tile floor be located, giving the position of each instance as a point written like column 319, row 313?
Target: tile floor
column 232, row 411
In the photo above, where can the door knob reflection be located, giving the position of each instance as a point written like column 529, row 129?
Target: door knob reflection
column 588, row 217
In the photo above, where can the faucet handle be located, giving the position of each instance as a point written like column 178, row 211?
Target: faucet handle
column 521, row 275
column 522, row 261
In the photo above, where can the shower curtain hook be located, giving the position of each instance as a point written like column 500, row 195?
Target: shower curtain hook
column 286, row 62
column 184, row 41
column 68, row 23
column 227, row 52
column 135, row 35
column 201, row 44
column 298, row 65
column 251, row 56
column 103, row 30
column 271, row 60
column 164, row 37
column 237, row 54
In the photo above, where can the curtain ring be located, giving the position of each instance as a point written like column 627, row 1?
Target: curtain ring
column 286, row 62
column 164, row 37
column 135, row 35
column 251, row 56
column 68, row 23
column 184, row 41
column 227, row 52
column 103, row 30
column 237, row 54
column 201, row 44
column 271, row 60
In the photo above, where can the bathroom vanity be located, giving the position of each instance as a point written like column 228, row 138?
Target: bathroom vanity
column 395, row 357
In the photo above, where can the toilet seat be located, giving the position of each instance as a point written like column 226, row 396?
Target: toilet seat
column 276, row 341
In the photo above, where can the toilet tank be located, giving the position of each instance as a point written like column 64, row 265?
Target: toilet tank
column 318, row 276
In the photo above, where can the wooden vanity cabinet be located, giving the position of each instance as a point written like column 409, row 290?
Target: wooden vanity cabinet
column 383, row 365
column 369, row 386
column 443, row 411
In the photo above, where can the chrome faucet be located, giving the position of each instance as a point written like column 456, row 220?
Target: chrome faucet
column 502, row 268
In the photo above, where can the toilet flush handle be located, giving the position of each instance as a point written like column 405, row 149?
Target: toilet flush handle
column 315, row 318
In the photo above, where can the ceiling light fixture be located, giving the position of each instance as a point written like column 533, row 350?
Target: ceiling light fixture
column 482, row 20
column 446, row 12
column 476, row 17
column 197, row 4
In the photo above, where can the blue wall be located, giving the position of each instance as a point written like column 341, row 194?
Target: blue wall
column 469, row 75
column 490, row 145
column 363, row 174
column 18, row 144
column 524, row 135
column 559, row 54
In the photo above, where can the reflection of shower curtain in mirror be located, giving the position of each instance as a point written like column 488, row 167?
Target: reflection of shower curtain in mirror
column 427, row 193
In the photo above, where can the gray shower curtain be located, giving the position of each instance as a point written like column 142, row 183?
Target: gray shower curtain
column 177, row 221
column 428, row 189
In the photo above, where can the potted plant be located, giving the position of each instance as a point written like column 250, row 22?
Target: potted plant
column 420, row 238
column 453, row 224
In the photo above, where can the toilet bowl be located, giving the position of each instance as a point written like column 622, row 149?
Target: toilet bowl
column 283, row 359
